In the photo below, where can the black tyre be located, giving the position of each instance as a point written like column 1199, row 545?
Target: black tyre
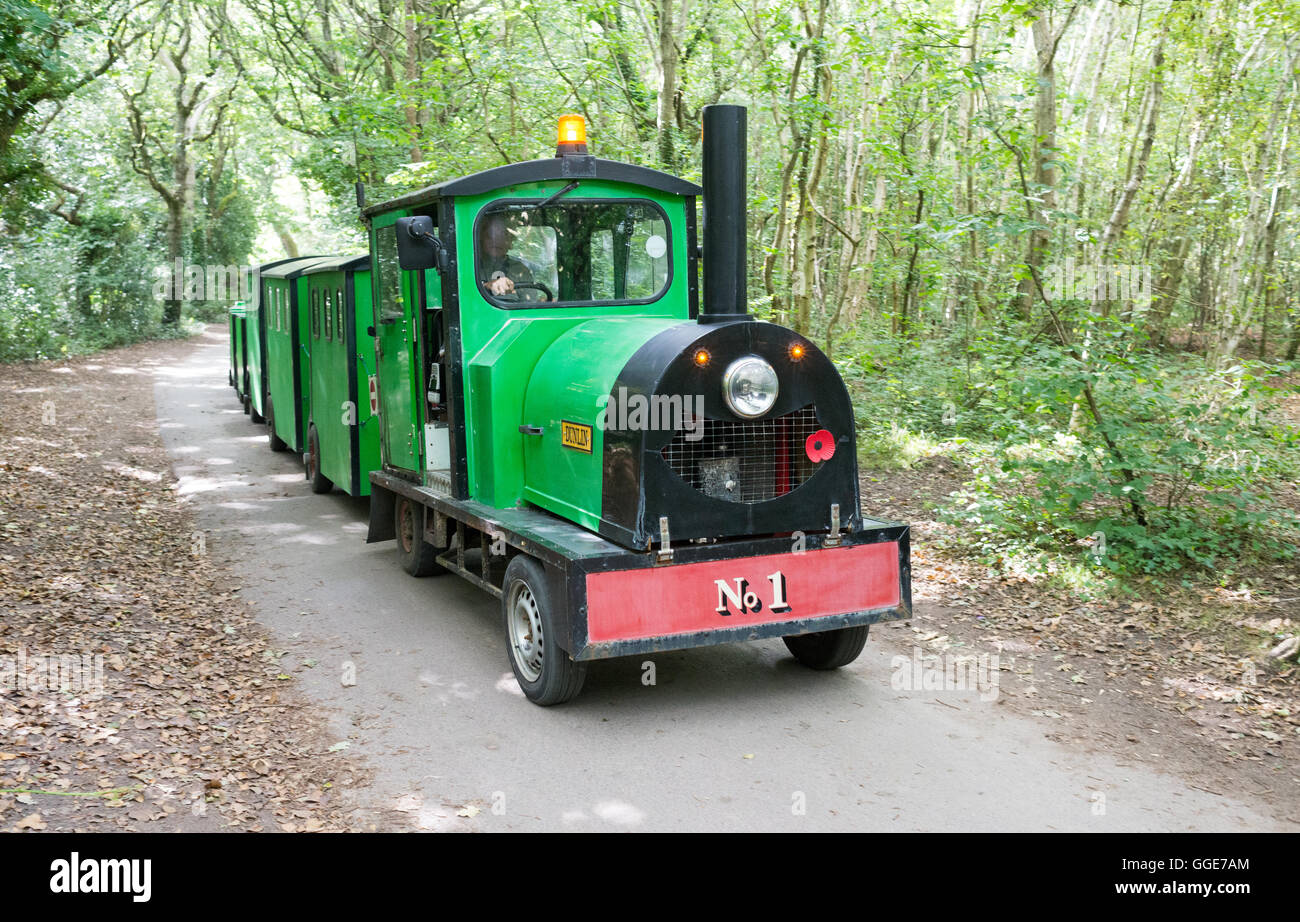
column 319, row 482
column 277, row 443
column 828, row 649
column 252, row 411
column 248, row 404
column 419, row 557
column 545, row 672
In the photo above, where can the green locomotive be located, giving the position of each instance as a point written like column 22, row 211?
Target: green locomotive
column 564, row 418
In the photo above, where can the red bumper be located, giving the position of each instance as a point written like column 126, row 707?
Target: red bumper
column 722, row 595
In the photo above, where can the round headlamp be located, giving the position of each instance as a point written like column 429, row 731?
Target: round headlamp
column 749, row 386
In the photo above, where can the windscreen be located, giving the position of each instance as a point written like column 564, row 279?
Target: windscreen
column 572, row 251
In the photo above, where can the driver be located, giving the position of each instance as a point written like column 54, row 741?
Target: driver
column 498, row 270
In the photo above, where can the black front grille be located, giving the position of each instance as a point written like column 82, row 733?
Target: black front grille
column 746, row 462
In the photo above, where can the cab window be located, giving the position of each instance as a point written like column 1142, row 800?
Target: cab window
column 572, row 252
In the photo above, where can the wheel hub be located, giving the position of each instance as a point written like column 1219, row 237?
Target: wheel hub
column 526, row 632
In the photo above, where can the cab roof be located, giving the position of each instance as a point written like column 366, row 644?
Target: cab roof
column 572, row 167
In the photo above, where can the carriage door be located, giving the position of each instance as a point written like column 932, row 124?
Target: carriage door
column 396, row 332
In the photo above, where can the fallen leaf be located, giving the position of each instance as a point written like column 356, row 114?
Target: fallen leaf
column 32, row 821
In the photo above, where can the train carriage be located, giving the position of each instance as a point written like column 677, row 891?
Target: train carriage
column 257, row 312
column 284, row 325
column 238, row 351
column 628, row 463
column 342, row 429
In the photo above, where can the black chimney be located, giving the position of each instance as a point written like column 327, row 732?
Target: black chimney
column 724, row 214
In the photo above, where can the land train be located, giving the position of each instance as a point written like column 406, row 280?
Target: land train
column 531, row 384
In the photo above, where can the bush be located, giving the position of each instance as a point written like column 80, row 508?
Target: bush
column 1172, row 472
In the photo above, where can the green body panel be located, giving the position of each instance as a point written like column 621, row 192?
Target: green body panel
column 342, row 359
column 495, row 381
column 287, row 373
column 368, row 455
column 253, row 343
column 502, row 347
column 238, row 352
column 396, row 312
column 566, row 385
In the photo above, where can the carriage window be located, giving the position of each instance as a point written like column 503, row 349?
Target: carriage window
column 573, row 251
column 389, row 283
column 315, row 314
column 329, row 329
column 338, row 311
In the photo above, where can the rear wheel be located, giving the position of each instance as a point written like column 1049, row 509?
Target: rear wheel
column 252, row 411
column 545, row 672
column 319, row 482
column 248, row 404
column 277, row 443
column 828, row 649
column 419, row 557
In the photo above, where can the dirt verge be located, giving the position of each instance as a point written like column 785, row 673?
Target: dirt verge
column 136, row 690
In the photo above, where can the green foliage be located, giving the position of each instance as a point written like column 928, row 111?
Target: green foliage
column 1192, row 450
column 1204, row 447
column 26, row 329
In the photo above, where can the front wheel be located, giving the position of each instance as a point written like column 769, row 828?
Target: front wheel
column 828, row 649
column 545, row 672
column 319, row 482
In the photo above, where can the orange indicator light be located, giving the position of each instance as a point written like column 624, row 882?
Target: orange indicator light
column 797, row 351
column 702, row 357
column 573, row 130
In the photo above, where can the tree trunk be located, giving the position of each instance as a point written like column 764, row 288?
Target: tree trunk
column 1119, row 216
column 816, row 142
column 1046, row 41
column 1236, row 316
column 668, row 77
column 411, row 70
column 175, row 252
